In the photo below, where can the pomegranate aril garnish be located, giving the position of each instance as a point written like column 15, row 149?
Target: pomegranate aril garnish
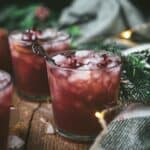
column 87, row 60
column 105, row 56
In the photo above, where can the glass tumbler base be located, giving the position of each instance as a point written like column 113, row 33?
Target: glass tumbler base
column 43, row 98
column 74, row 137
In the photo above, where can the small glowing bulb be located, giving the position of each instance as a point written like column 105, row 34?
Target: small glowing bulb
column 99, row 114
column 126, row 34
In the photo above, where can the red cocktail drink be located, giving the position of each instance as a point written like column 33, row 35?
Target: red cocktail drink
column 5, row 58
column 29, row 68
column 82, row 83
column 5, row 102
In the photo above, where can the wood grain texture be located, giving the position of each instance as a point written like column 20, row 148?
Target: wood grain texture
column 33, row 131
column 40, row 140
column 25, row 111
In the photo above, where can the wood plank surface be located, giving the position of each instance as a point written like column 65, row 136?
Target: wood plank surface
column 32, row 129
column 25, row 111
column 40, row 140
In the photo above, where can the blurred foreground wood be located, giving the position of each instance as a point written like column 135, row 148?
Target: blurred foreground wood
column 33, row 131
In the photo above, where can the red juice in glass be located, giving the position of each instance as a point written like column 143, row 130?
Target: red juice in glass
column 5, row 102
column 82, row 83
column 29, row 68
column 5, row 58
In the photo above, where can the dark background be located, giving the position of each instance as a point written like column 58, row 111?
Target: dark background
column 56, row 5
column 23, row 12
column 144, row 5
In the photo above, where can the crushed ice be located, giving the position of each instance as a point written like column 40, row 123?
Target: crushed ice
column 82, row 53
column 15, row 142
column 86, row 67
column 49, row 127
column 59, row 58
column 80, row 75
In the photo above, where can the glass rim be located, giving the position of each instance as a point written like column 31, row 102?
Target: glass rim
column 8, row 83
column 51, row 62
column 44, row 41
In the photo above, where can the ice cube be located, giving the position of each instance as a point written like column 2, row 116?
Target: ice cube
column 48, row 34
column 82, row 53
column 50, row 129
column 86, row 61
column 17, row 36
column 4, row 79
column 61, row 36
column 15, row 142
column 111, row 64
column 86, row 67
column 80, row 75
column 59, row 59
column 93, row 60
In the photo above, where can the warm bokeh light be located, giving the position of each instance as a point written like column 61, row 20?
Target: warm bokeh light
column 99, row 115
column 126, row 34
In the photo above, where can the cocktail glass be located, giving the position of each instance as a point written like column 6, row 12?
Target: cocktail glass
column 30, row 69
column 5, row 103
column 5, row 58
column 82, row 83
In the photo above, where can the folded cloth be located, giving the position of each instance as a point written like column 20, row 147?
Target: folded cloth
column 130, row 130
column 111, row 17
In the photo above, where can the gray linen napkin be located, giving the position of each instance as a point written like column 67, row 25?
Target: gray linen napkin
column 111, row 16
column 130, row 130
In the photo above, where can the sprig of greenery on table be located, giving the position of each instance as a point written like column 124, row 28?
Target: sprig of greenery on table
column 14, row 17
column 137, row 77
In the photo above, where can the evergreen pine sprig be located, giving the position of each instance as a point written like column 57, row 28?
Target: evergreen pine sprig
column 14, row 17
column 137, row 77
